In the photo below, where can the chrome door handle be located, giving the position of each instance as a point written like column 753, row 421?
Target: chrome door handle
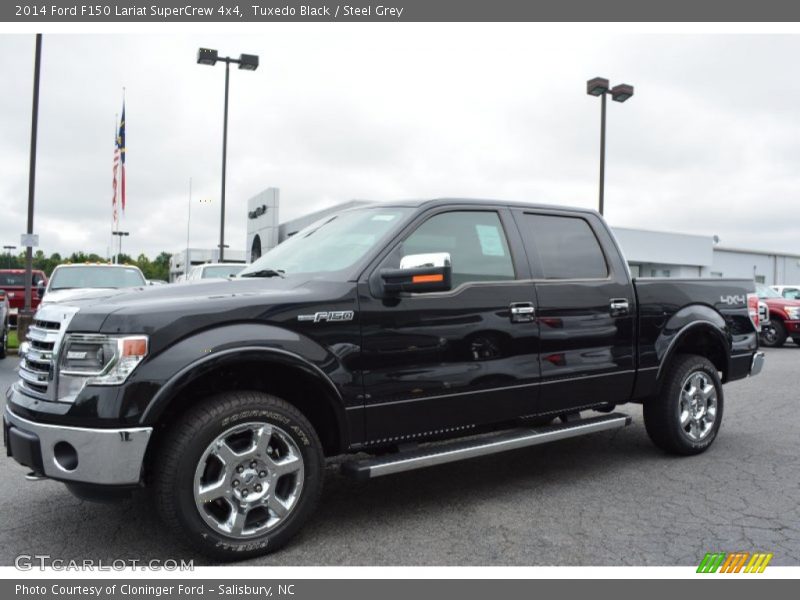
column 619, row 306
column 522, row 312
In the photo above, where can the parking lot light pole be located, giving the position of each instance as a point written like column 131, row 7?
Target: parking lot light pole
column 619, row 93
column 246, row 62
column 25, row 316
column 121, row 234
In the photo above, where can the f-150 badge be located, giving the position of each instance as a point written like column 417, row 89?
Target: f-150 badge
column 329, row 316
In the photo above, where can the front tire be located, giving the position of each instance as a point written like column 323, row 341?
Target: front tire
column 685, row 416
column 4, row 343
column 238, row 475
column 773, row 334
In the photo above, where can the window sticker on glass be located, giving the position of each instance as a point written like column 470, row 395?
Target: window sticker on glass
column 383, row 217
column 491, row 242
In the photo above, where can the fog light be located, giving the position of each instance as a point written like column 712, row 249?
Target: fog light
column 66, row 456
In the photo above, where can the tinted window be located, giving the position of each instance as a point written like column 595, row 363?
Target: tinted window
column 18, row 279
column 475, row 240
column 566, row 246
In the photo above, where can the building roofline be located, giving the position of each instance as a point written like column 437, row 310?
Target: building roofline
column 761, row 252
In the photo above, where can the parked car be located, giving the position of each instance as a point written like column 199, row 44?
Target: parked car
column 71, row 282
column 788, row 291
column 12, row 281
column 5, row 313
column 784, row 317
column 214, row 271
column 474, row 324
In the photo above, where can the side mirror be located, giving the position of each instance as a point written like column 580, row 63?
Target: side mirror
column 40, row 287
column 419, row 273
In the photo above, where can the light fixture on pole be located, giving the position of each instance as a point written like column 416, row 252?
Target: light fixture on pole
column 121, row 234
column 619, row 93
column 246, row 62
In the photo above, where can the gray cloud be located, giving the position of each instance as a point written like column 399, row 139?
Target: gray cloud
column 707, row 145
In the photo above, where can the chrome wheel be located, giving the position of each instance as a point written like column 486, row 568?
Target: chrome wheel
column 698, row 406
column 248, row 480
column 769, row 335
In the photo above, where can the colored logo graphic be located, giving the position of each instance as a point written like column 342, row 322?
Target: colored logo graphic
column 734, row 562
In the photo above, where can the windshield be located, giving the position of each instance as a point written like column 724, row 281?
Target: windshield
column 766, row 292
column 222, row 271
column 96, row 277
column 331, row 244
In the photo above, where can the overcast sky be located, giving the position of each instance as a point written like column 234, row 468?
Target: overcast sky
column 709, row 144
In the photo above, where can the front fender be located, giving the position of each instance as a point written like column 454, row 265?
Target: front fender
column 155, row 383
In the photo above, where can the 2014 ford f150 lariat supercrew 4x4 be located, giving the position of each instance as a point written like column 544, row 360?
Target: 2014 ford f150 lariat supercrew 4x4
column 480, row 326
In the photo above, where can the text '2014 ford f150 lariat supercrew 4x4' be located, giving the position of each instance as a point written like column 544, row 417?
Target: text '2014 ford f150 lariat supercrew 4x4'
column 482, row 326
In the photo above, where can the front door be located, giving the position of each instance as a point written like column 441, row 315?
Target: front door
column 443, row 362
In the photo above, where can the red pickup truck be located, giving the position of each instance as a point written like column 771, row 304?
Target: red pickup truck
column 784, row 318
column 12, row 281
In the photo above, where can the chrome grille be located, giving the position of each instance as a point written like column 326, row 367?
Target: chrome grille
column 36, row 365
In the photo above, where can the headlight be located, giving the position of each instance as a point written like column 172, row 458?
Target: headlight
column 793, row 312
column 89, row 359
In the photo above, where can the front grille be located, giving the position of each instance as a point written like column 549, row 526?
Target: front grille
column 36, row 366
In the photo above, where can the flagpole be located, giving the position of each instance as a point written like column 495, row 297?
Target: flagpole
column 114, row 222
column 121, row 178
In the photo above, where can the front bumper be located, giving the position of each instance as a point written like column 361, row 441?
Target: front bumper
column 757, row 364
column 77, row 454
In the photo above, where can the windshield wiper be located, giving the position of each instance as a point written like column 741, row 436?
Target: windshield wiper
column 266, row 273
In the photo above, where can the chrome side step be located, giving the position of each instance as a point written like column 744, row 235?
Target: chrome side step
column 460, row 450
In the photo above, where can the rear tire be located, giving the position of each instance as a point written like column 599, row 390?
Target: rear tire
column 238, row 475
column 773, row 334
column 685, row 416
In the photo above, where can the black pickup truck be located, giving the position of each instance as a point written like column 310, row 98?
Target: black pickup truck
column 404, row 335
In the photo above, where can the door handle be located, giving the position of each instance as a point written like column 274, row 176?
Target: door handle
column 522, row 312
column 618, row 307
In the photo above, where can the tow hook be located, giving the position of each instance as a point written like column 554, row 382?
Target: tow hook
column 34, row 476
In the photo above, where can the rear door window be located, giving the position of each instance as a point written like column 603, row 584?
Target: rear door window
column 564, row 247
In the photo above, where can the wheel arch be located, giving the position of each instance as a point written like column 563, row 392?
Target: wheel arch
column 271, row 370
column 696, row 329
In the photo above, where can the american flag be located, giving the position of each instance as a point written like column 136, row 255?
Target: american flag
column 119, row 166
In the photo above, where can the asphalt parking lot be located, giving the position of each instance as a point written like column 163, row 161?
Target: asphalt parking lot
column 605, row 499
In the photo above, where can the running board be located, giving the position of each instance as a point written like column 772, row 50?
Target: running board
column 460, row 450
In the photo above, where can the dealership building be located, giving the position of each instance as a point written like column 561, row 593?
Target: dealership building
column 649, row 253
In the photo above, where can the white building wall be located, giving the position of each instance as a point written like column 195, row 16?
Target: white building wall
column 772, row 269
column 262, row 223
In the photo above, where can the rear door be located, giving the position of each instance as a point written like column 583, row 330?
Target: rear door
column 586, row 309
column 447, row 361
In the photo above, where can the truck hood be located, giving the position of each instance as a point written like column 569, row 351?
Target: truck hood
column 78, row 295
column 771, row 302
column 180, row 309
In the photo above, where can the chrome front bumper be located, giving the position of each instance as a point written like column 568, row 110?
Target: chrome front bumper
column 98, row 456
column 757, row 364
